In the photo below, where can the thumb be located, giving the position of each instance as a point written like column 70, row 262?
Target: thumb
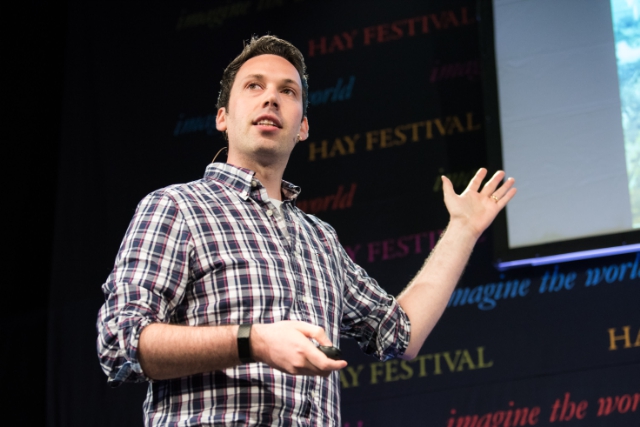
column 447, row 186
column 315, row 332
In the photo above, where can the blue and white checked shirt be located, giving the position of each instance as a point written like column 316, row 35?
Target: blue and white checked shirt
column 210, row 252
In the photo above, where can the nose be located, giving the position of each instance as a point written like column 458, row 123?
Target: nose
column 272, row 98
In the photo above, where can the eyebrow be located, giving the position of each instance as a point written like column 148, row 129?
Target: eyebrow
column 261, row 77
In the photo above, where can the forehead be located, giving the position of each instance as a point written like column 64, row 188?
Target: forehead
column 270, row 67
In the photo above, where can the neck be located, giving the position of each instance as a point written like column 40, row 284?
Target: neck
column 270, row 175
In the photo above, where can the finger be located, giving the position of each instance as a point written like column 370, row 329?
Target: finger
column 315, row 332
column 502, row 190
column 322, row 364
column 314, row 362
column 475, row 182
column 505, row 199
column 491, row 185
column 309, row 360
column 311, row 369
column 335, row 366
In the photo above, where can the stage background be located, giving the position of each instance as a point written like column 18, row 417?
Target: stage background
column 396, row 101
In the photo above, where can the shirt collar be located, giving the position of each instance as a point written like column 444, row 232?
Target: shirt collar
column 244, row 182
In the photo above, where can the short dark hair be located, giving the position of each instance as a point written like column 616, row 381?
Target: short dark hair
column 265, row 45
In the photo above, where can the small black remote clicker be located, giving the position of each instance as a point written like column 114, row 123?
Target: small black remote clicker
column 331, row 352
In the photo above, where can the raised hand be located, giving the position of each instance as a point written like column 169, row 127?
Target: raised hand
column 475, row 208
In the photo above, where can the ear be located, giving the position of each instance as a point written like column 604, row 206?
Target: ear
column 221, row 119
column 304, row 129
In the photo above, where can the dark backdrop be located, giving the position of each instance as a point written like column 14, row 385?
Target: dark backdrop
column 396, row 102
column 34, row 34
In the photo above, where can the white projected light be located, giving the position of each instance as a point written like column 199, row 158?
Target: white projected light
column 568, row 85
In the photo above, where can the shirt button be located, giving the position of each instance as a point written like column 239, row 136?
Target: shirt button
column 254, row 183
column 312, row 395
column 269, row 212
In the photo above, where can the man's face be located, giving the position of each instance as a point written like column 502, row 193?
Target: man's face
column 264, row 117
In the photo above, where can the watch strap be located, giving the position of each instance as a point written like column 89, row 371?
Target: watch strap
column 244, row 348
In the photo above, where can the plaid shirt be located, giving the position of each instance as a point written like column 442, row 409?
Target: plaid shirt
column 210, row 252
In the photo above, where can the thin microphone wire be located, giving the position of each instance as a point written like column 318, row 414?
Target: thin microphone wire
column 218, row 153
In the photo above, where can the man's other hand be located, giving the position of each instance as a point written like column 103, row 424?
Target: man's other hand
column 287, row 346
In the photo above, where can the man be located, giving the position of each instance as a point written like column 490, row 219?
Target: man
column 222, row 287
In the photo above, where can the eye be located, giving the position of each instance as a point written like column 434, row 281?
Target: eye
column 253, row 86
column 289, row 91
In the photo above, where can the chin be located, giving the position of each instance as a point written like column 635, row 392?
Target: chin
column 271, row 153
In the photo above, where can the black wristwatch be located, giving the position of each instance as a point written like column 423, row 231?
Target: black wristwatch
column 244, row 348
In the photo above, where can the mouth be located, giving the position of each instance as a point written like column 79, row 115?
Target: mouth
column 268, row 122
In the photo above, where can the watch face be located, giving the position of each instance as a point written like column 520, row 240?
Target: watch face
column 244, row 347
column 244, row 331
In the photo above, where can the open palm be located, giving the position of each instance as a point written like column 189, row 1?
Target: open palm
column 477, row 208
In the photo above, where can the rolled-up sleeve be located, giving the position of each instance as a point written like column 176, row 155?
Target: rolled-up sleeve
column 148, row 281
column 370, row 315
